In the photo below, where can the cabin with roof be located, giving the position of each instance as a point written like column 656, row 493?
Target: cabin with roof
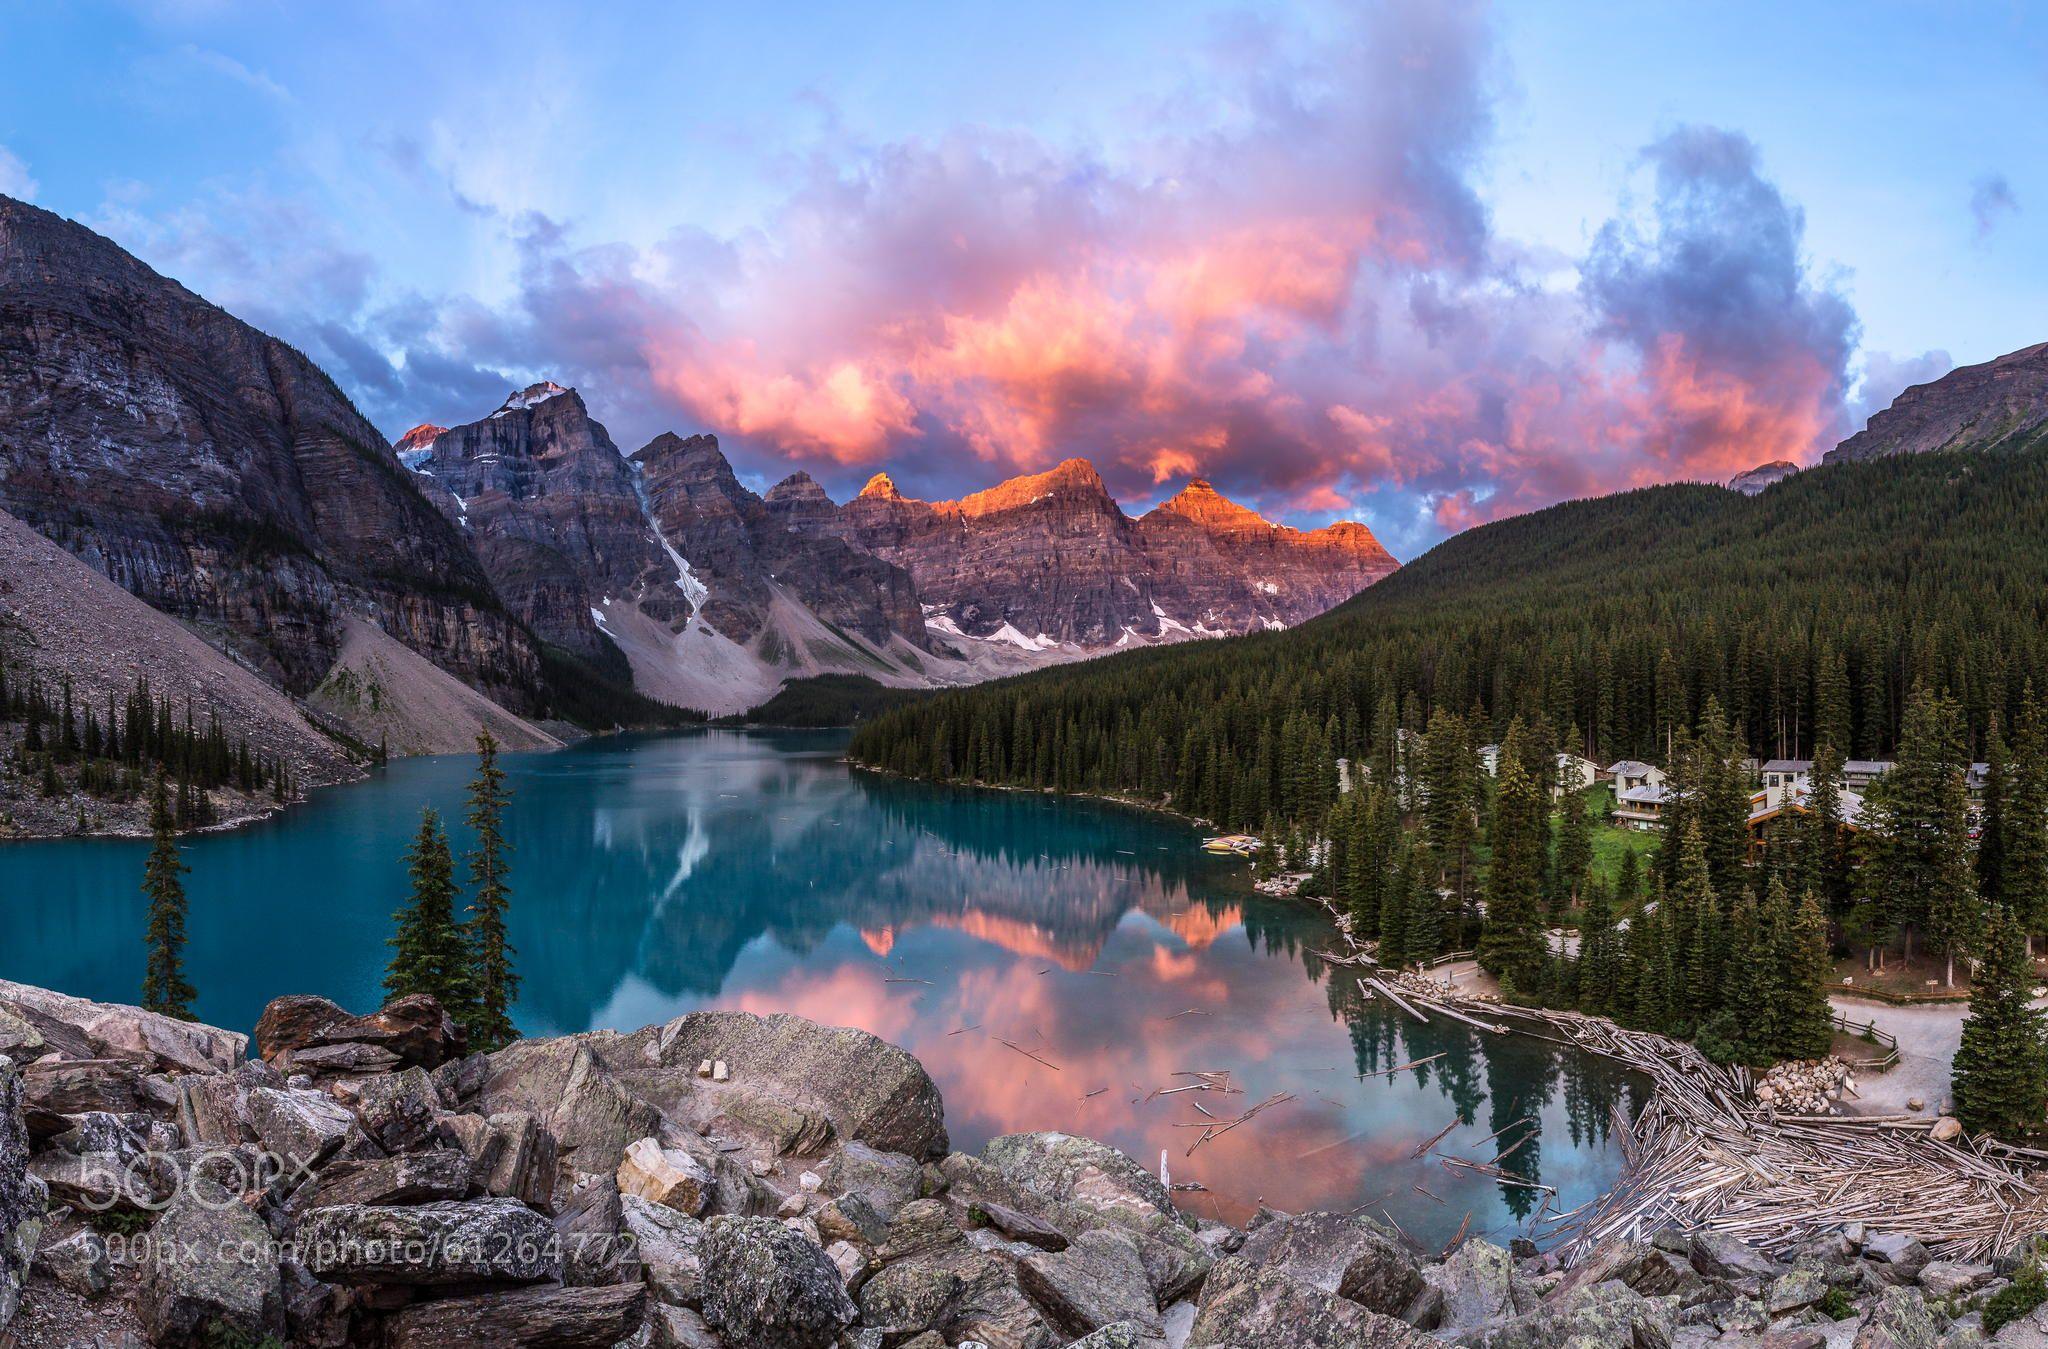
column 1796, row 801
column 1628, row 773
column 1575, row 773
column 1641, row 807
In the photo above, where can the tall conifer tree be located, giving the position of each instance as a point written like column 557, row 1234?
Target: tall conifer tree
column 428, row 954
column 164, row 986
column 2000, row 1081
column 494, row 984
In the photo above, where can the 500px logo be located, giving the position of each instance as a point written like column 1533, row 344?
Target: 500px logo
column 153, row 1181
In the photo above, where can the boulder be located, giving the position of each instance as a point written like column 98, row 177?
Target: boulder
column 1650, row 1270
column 871, row 1091
column 155, row 1042
column 19, row 1040
column 1899, row 1319
column 1793, row 1292
column 410, row 1178
column 79, row 1263
column 1097, row 1281
column 1945, row 1278
column 53, row 1092
column 1245, row 1304
column 1018, row 1226
column 666, row 1176
column 1352, row 1257
column 1606, row 1314
column 211, row 1263
column 1719, row 1255
column 542, row 1318
column 21, row 1195
column 950, row 1289
column 887, row 1180
column 300, row 1128
column 398, row 1110
column 565, row 1086
column 681, row 1328
column 482, row 1241
column 666, row 1244
column 590, row 1223
column 512, row 1155
column 1903, row 1255
column 1947, row 1129
column 766, row 1287
column 1122, row 1335
column 1081, row 1171
column 1478, row 1284
column 414, row 1031
column 213, row 1111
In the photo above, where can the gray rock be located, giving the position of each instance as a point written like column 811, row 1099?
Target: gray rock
column 682, row 1328
column 1121, row 1335
column 398, row 1110
column 1903, row 1254
column 1097, row 1281
column 924, row 1225
column 155, row 1042
column 21, row 1194
column 1244, row 1304
column 1478, row 1284
column 666, row 1243
column 410, row 1178
column 103, row 1163
column 1352, row 1257
column 482, row 1241
column 887, row 1180
column 565, row 1086
column 210, row 1261
column 52, row 1093
column 78, row 1263
column 1899, row 1319
column 958, row 1293
column 1942, row 1278
column 852, row 1218
column 213, row 1111
column 560, row 1318
column 1719, row 1255
column 512, row 1154
column 1607, row 1315
column 1018, row 1226
column 303, row 1128
column 590, row 1222
column 870, row 1090
column 765, row 1286
column 1650, row 1270
column 1796, row 1291
column 412, row 1031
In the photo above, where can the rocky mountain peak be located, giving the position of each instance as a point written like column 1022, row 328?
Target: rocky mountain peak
column 1069, row 478
column 1755, row 480
column 798, row 488
column 533, row 395
column 1973, row 406
column 417, row 443
column 1202, row 503
column 881, row 487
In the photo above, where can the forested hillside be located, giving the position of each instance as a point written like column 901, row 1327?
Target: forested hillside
column 1808, row 612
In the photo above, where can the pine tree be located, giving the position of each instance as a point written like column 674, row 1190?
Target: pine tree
column 2023, row 866
column 1574, row 855
column 1992, row 831
column 1597, row 956
column 492, row 980
column 2000, row 1082
column 1511, row 941
column 1805, row 1024
column 1919, row 871
column 164, row 987
column 428, row 952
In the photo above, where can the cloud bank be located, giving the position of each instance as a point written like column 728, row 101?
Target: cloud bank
column 1296, row 291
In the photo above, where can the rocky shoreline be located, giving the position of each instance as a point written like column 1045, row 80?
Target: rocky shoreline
column 726, row 1179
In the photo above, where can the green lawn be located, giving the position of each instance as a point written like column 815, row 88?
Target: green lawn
column 1610, row 840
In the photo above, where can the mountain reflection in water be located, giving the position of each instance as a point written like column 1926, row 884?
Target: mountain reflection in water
column 655, row 875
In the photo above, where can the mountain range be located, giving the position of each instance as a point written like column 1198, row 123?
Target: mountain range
column 217, row 474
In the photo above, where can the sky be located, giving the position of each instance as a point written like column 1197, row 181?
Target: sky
column 1421, row 264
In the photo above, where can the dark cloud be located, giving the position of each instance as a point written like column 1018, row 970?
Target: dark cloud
column 1991, row 200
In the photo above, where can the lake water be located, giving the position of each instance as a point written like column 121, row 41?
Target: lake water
column 659, row 874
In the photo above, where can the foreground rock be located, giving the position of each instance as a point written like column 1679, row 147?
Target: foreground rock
column 616, row 1190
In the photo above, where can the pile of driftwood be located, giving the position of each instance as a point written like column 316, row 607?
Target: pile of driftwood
column 1703, row 1154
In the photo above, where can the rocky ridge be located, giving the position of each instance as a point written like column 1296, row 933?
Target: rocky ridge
column 726, row 1179
column 1050, row 559
column 2003, row 401
column 217, row 474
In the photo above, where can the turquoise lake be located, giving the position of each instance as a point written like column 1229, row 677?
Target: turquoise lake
column 658, row 874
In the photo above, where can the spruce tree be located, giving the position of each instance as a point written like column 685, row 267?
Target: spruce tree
column 1511, row 941
column 1597, row 956
column 1992, row 831
column 1574, row 855
column 1805, row 1023
column 1919, row 871
column 2023, row 864
column 428, row 954
column 164, row 987
column 2000, row 1082
column 493, row 983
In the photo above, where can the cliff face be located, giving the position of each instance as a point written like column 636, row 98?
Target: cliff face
column 1976, row 405
column 216, row 473
column 553, row 512
column 1051, row 558
column 743, row 550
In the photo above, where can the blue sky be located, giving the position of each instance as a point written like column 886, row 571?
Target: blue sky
column 1414, row 264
